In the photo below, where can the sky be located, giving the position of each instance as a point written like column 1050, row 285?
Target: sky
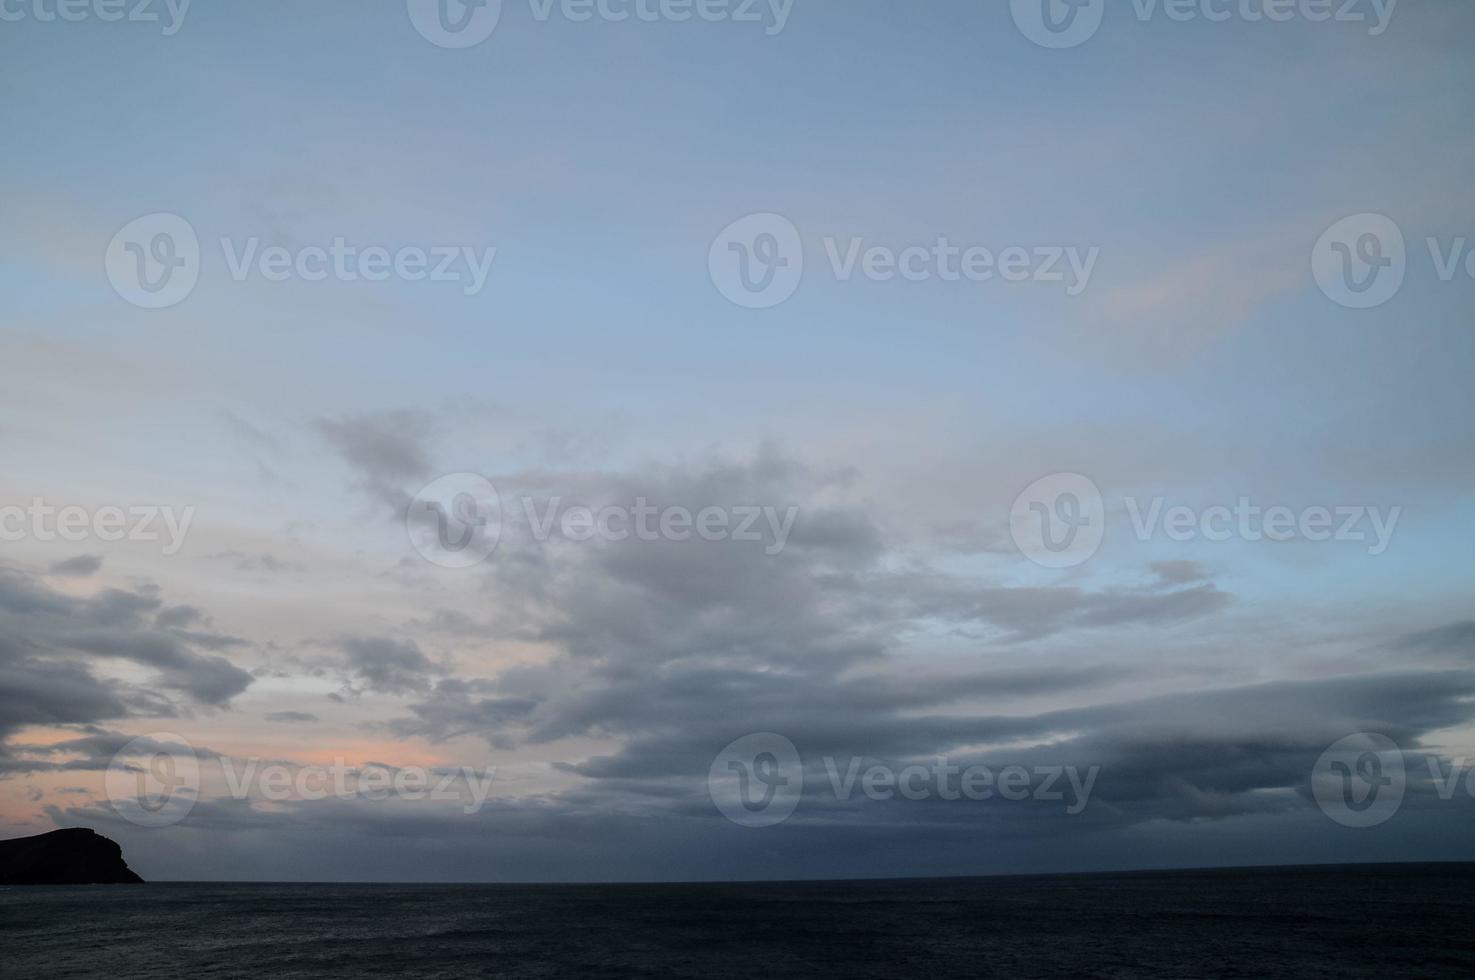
column 990, row 349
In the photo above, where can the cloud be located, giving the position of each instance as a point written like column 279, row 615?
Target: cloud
column 79, row 567
column 49, row 642
column 262, row 563
column 661, row 634
column 385, row 448
column 1179, row 572
column 34, row 691
column 1451, row 644
column 287, row 717
column 1223, row 767
column 388, row 666
column 176, row 617
column 655, row 654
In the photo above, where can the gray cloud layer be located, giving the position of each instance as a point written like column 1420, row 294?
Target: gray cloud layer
column 51, row 643
column 663, row 652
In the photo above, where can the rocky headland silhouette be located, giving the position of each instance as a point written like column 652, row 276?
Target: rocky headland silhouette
column 75, row 856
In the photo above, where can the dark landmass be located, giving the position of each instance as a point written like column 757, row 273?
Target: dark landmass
column 77, row 856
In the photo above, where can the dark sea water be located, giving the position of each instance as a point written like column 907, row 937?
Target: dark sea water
column 1388, row 922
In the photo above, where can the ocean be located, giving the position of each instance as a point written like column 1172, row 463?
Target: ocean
column 1391, row 921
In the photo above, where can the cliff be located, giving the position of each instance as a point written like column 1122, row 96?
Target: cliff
column 77, row 856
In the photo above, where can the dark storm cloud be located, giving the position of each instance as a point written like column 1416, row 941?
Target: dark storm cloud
column 1186, row 758
column 388, row 666
column 457, row 707
column 672, row 649
column 665, row 651
column 34, row 691
column 114, row 624
column 1187, row 736
column 1231, row 766
column 79, row 567
column 47, row 640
